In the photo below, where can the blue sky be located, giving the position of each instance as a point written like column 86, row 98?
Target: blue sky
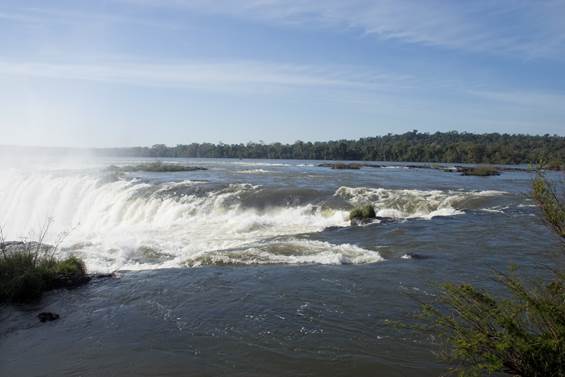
column 141, row 72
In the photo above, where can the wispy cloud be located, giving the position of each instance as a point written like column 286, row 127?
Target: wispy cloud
column 225, row 76
column 355, row 83
column 526, row 28
column 532, row 28
column 52, row 15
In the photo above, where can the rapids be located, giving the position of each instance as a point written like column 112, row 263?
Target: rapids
column 128, row 222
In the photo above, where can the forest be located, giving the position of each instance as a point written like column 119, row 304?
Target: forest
column 414, row 146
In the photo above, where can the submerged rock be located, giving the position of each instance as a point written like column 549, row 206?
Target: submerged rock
column 414, row 256
column 359, row 222
column 47, row 316
column 385, row 219
column 111, row 275
column 370, row 220
column 70, row 281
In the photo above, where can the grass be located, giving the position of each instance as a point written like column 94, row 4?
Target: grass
column 27, row 269
column 362, row 213
column 480, row 171
column 158, row 167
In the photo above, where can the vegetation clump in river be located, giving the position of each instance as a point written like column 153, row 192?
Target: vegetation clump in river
column 154, row 167
column 362, row 213
column 480, row 171
column 342, row 166
column 27, row 269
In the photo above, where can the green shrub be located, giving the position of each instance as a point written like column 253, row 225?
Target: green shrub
column 28, row 270
column 523, row 335
column 550, row 203
column 362, row 213
column 29, row 285
column 69, row 266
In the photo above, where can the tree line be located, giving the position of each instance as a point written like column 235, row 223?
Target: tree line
column 412, row 146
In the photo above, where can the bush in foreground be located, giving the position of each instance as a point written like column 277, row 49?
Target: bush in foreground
column 523, row 335
column 29, row 269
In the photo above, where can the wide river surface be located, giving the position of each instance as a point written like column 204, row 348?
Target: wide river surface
column 251, row 268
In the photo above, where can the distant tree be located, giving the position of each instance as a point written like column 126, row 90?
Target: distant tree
column 412, row 146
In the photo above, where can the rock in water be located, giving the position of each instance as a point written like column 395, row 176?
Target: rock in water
column 47, row 316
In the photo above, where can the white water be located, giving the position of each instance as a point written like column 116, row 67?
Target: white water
column 407, row 204
column 130, row 224
column 255, row 171
column 291, row 251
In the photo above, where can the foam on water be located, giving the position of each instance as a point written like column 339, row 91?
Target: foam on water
column 289, row 251
column 127, row 223
column 254, row 171
column 247, row 163
column 406, row 204
column 115, row 224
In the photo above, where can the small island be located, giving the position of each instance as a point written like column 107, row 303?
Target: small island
column 154, row 167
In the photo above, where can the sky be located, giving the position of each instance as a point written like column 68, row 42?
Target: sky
column 141, row 72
